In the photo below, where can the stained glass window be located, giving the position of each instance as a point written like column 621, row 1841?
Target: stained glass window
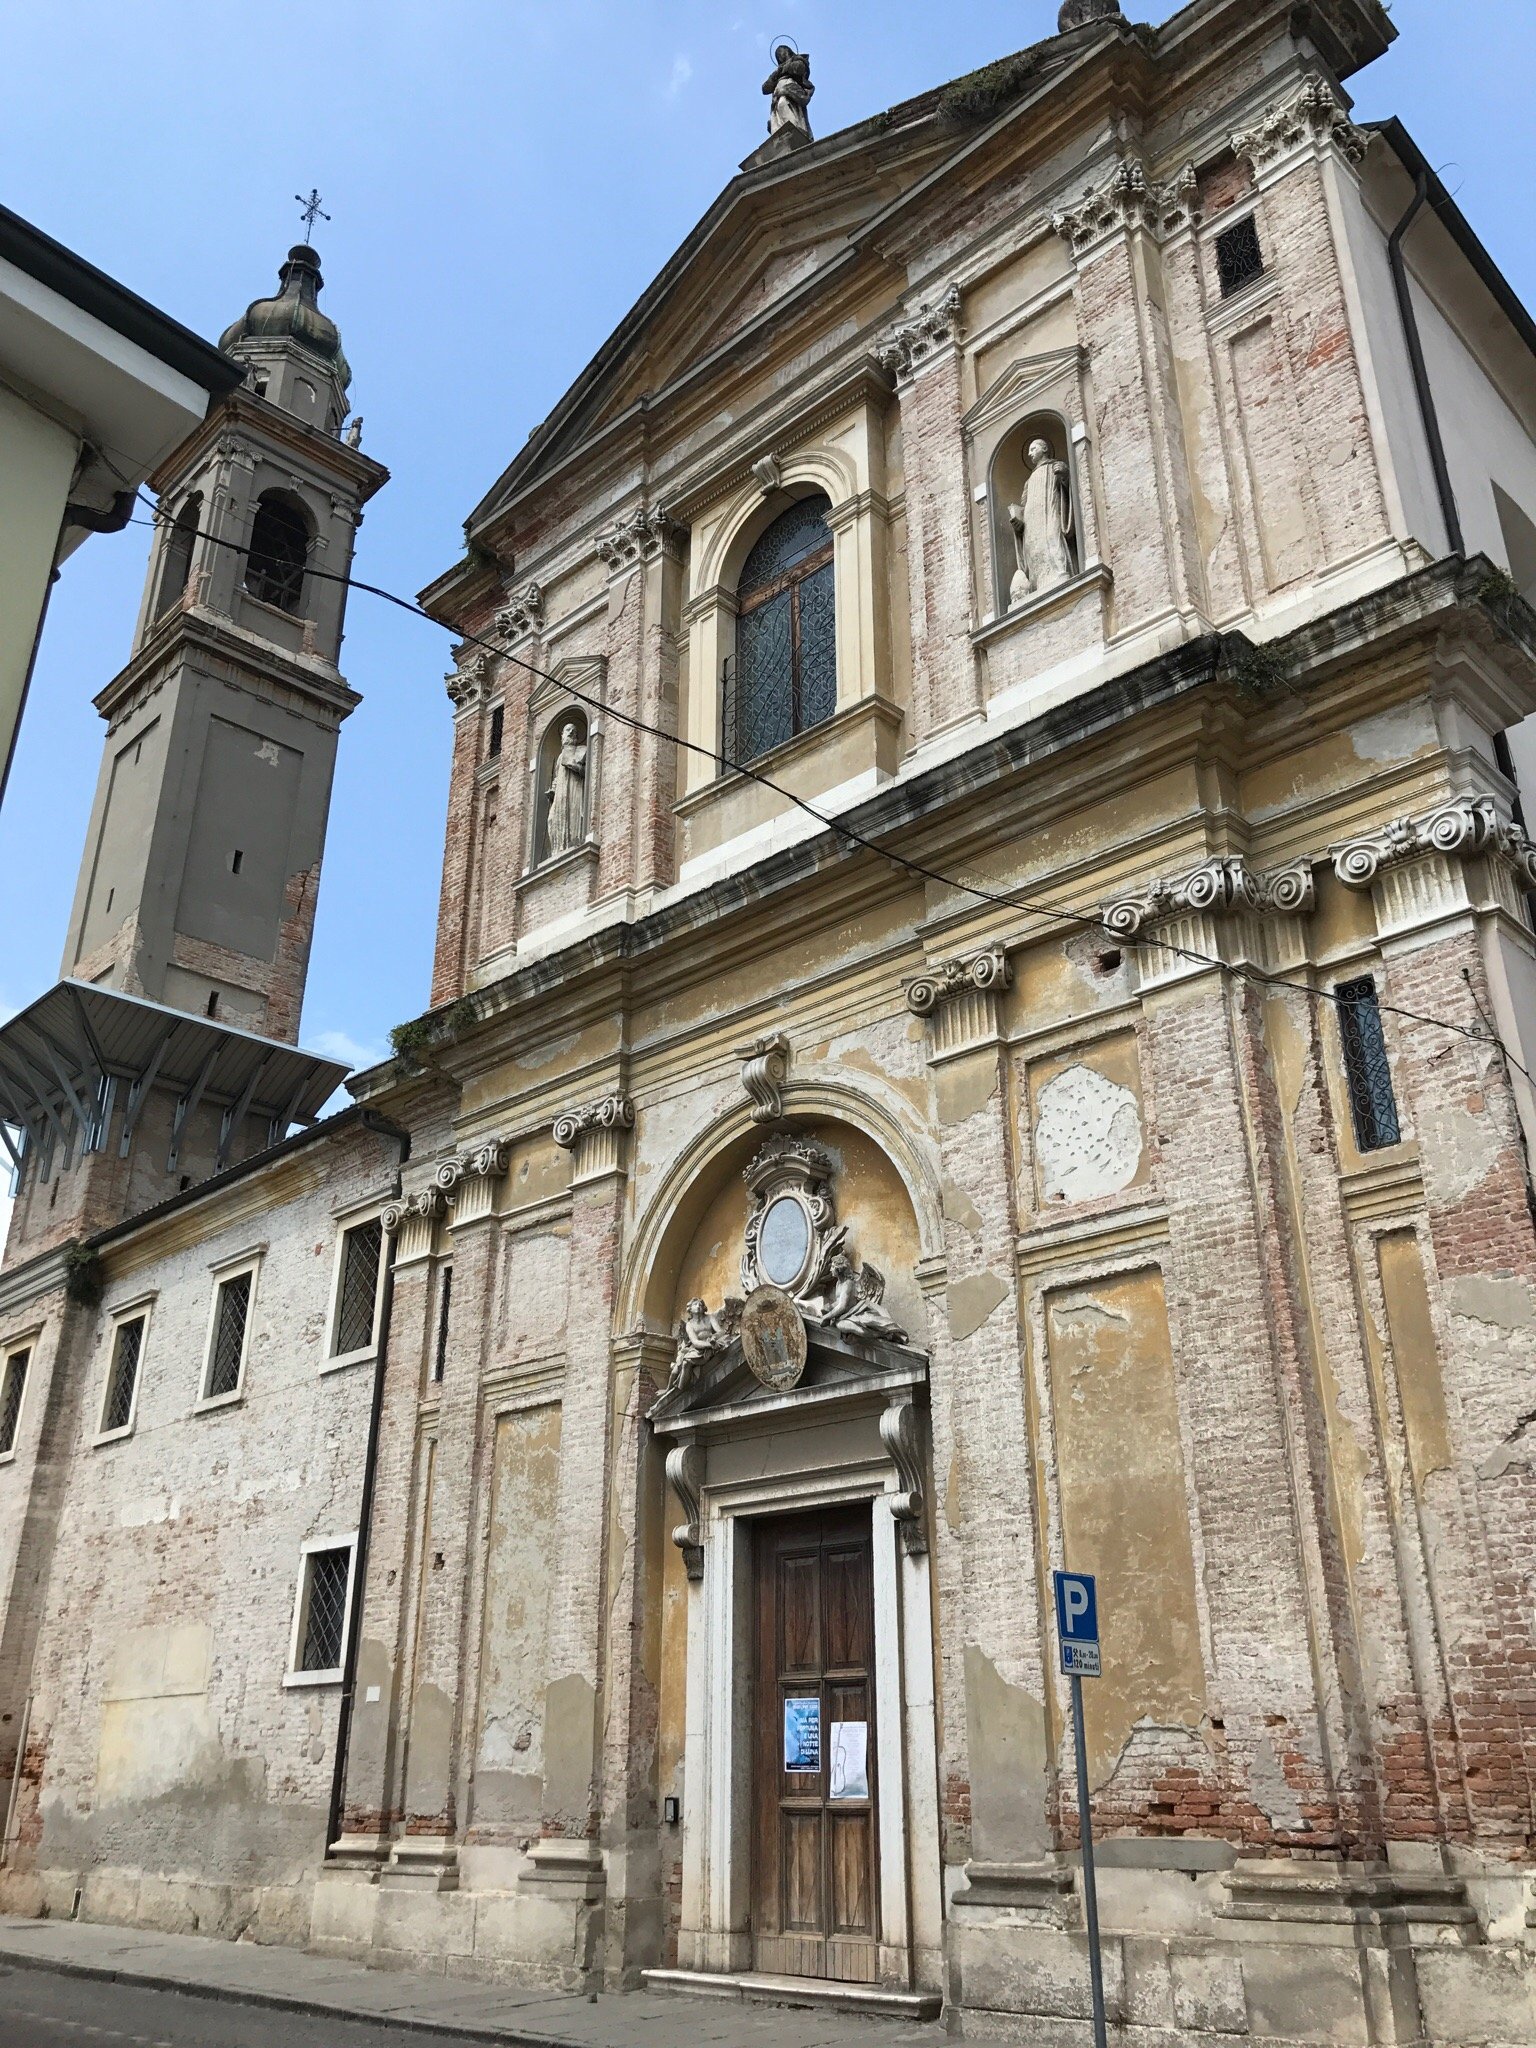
column 785, row 675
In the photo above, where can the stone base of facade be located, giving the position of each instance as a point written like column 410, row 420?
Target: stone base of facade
column 277, row 1914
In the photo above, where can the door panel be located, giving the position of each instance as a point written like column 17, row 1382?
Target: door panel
column 814, row 1883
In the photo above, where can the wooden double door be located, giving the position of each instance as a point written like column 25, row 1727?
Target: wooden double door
column 815, row 1872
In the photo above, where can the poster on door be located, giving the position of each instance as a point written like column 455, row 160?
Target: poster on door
column 848, row 1760
column 802, row 1735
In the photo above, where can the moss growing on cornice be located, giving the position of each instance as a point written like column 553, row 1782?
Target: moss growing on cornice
column 84, row 1280
column 981, row 94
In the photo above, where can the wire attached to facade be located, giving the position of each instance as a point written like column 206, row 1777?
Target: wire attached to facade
column 1008, row 900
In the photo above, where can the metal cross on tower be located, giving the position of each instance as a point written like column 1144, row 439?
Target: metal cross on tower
column 310, row 210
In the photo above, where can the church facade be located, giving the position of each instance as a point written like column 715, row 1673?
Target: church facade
column 982, row 1019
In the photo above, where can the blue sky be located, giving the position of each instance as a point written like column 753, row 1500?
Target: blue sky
column 503, row 179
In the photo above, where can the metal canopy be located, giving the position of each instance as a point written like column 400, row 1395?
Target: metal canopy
column 66, row 1057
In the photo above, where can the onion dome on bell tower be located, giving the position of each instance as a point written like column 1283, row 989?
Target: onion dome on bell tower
column 291, row 349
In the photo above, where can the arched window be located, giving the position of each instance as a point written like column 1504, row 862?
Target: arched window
column 274, row 569
column 785, row 678
column 176, row 563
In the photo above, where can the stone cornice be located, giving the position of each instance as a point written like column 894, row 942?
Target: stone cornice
column 323, row 693
column 931, row 331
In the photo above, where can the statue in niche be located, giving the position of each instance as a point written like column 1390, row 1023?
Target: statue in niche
column 701, row 1337
column 790, row 89
column 1042, row 526
column 568, row 793
column 855, row 1301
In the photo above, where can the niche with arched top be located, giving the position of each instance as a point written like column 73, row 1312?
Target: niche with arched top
column 562, row 787
column 279, row 554
column 1008, row 485
column 176, row 554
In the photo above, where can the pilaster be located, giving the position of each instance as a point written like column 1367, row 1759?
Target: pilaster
column 994, row 1741
column 923, row 353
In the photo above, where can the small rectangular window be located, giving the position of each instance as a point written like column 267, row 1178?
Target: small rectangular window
column 444, row 1300
column 12, row 1387
column 357, row 1294
column 320, row 1624
column 226, row 1344
column 123, row 1375
column 1367, row 1071
column 498, row 721
column 1239, row 258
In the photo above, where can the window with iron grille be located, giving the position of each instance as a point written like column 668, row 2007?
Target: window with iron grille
column 323, row 1611
column 361, row 1250
column 444, row 1299
column 1239, row 258
column 123, row 1376
column 1367, row 1071
column 498, row 723
column 11, row 1390
column 784, row 679
column 226, row 1351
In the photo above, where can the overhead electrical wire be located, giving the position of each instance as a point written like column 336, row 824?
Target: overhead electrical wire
column 1005, row 899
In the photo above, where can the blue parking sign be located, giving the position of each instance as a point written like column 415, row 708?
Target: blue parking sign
column 1077, row 1623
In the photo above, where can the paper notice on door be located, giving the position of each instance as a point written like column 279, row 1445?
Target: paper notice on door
column 849, row 1760
column 802, row 1735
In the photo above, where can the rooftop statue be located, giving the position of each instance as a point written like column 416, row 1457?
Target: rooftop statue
column 790, row 88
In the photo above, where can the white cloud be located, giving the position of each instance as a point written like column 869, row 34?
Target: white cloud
column 682, row 71
column 339, row 1045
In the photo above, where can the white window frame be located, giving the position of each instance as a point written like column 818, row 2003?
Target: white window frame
column 336, row 1361
column 129, row 1312
column 294, row 1677
column 13, row 1347
column 223, row 1273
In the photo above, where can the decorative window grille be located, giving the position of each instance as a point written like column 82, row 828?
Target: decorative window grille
column 361, row 1250
column 123, row 1378
column 785, row 675
column 444, row 1299
column 323, row 1610
column 1367, row 1071
column 274, row 569
column 226, row 1356
column 11, row 1390
column 1239, row 258
column 498, row 723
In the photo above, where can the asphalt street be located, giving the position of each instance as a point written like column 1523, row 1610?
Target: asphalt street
column 40, row 2009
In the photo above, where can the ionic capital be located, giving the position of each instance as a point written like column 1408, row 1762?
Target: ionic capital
column 960, row 997
column 594, row 1136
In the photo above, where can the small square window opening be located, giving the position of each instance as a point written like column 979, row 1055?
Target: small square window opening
column 1367, row 1070
column 226, row 1353
column 362, row 1249
column 123, row 1375
column 12, row 1387
column 323, row 1611
column 1239, row 258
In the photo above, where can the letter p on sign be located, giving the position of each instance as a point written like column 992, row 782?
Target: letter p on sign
column 1077, row 1623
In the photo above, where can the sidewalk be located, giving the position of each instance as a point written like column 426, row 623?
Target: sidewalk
column 288, row 1978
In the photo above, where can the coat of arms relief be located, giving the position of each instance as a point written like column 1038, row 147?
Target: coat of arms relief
column 796, row 1269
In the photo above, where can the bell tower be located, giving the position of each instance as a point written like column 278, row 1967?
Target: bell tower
column 167, row 1052
column 202, row 861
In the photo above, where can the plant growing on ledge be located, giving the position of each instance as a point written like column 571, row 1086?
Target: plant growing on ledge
column 409, row 1042
column 981, row 94
column 84, row 1280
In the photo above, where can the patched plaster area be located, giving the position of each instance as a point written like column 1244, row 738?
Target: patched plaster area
column 1087, row 1136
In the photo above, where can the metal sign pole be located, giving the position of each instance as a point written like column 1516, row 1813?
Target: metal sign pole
column 1090, row 1888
